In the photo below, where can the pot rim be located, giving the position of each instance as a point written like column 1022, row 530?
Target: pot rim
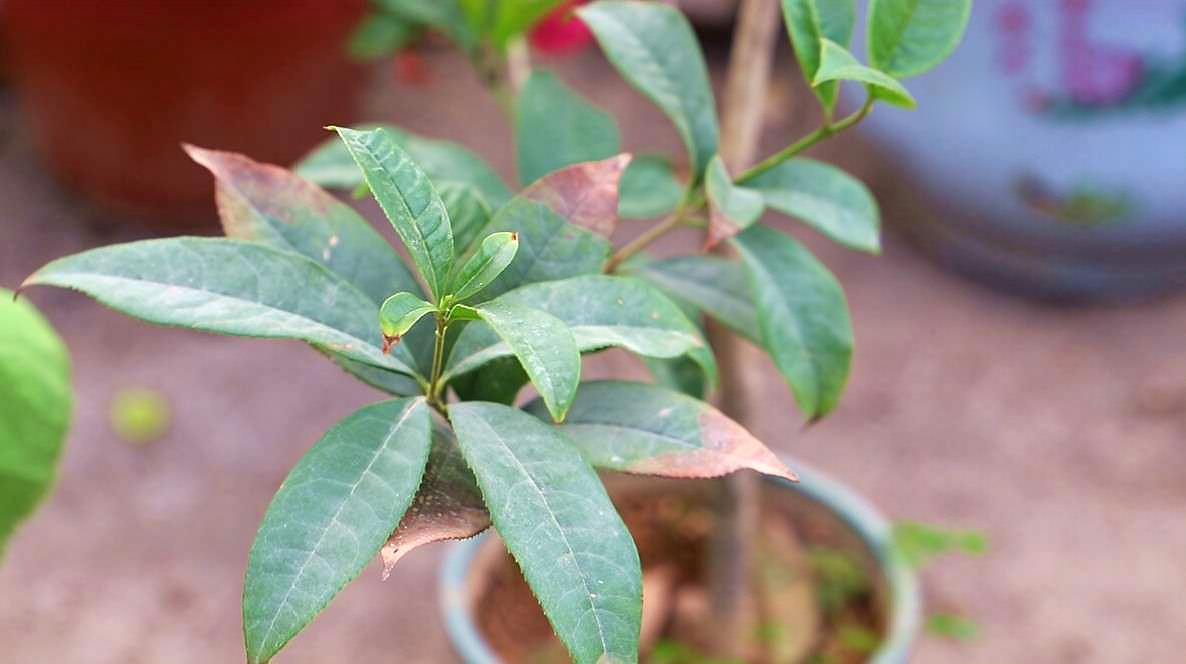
column 905, row 607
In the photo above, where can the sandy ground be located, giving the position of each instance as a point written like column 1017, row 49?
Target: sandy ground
column 1059, row 431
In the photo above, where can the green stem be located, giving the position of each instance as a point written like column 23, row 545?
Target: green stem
column 826, row 131
column 438, row 356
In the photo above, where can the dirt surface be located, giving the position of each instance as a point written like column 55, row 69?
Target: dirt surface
column 1059, row 431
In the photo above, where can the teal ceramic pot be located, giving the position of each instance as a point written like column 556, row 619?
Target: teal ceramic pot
column 897, row 587
column 1051, row 148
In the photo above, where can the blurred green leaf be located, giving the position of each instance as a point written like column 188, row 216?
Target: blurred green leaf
column 716, row 286
column 802, row 315
column 918, row 543
column 648, row 188
column 654, row 49
column 140, row 415
column 909, row 37
column 379, row 35
column 825, row 198
column 35, row 402
column 809, row 20
column 952, row 626
column 837, row 64
column 732, row 208
column 555, row 127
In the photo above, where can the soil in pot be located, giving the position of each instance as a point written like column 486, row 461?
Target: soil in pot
column 820, row 595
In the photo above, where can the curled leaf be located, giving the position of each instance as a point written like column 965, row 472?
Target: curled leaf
column 494, row 254
column 398, row 314
column 731, row 208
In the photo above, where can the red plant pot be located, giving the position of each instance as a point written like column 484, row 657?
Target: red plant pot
column 112, row 88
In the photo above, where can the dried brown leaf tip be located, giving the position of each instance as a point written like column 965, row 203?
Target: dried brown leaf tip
column 585, row 194
column 389, row 342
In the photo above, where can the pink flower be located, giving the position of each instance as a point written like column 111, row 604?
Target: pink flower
column 561, row 32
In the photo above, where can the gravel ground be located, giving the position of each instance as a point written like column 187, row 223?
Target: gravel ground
column 1059, row 431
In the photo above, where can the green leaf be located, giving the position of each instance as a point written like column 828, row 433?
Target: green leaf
column 448, row 505
column 549, row 247
column 35, row 401
column 584, row 194
column 837, row 64
column 330, row 517
column 499, row 380
column 718, row 287
column 443, row 15
column 650, row 430
column 274, row 206
column 554, row 516
column 513, row 18
column 731, row 208
column 494, row 254
column 654, row 49
column 396, row 384
column 802, row 316
column 680, row 374
column 555, row 127
column 952, row 626
column 468, row 212
column 809, row 20
column 409, row 201
column 399, row 313
column 825, row 198
column 600, row 311
column 228, row 287
column 544, row 346
column 648, row 188
column 446, row 163
column 909, row 37
column 380, row 34
column 918, row 543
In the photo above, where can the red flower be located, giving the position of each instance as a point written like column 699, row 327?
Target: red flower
column 561, row 32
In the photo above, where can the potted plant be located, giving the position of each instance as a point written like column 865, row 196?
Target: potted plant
column 509, row 289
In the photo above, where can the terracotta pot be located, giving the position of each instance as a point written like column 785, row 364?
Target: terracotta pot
column 111, row 89
column 822, row 512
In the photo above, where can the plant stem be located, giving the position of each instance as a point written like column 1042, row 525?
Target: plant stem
column 438, row 355
column 826, row 131
column 673, row 221
column 733, row 544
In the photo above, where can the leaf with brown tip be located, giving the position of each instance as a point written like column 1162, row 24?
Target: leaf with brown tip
column 650, row 430
column 586, row 194
column 448, row 505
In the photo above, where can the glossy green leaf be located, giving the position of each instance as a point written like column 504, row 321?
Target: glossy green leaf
column 825, row 198
column 809, row 20
column 556, row 127
column 499, row 380
column 648, row 188
column 445, row 162
column 409, row 201
column 494, row 254
column 399, row 313
column 556, row 520
column 448, row 505
column 651, row 430
column 837, row 64
column 330, row 517
column 802, row 315
column 909, row 37
column 718, row 287
column 229, row 287
column 653, row 47
column 274, row 206
column 601, row 311
column 549, row 247
column 544, row 346
column 35, row 402
column 732, row 208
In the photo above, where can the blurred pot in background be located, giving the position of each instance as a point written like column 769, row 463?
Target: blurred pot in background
column 1053, row 148
column 110, row 89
